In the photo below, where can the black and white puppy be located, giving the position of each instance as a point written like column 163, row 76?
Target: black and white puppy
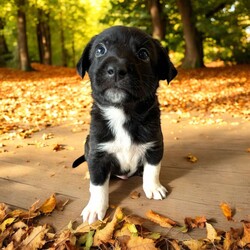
column 124, row 65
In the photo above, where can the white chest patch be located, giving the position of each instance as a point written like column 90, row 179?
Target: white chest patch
column 127, row 153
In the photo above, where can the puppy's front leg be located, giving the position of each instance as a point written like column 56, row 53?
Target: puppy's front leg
column 151, row 183
column 98, row 202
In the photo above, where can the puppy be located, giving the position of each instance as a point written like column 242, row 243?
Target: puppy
column 124, row 65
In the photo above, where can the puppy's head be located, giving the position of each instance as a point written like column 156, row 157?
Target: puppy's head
column 124, row 65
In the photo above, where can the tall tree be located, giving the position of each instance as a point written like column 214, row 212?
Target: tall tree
column 43, row 37
column 193, row 39
column 24, row 61
column 158, row 19
column 3, row 45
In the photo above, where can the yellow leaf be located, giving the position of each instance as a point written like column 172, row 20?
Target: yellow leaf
column 226, row 210
column 195, row 244
column 211, row 233
column 6, row 223
column 138, row 243
column 49, row 205
column 132, row 228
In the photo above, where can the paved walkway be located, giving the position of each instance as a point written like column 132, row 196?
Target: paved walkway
column 31, row 170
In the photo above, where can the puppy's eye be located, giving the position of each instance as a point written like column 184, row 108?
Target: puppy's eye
column 143, row 54
column 100, row 50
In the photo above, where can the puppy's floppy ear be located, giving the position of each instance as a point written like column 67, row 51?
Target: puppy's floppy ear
column 166, row 69
column 84, row 62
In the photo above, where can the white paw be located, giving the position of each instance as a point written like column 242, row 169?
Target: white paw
column 156, row 191
column 93, row 212
column 98, row 203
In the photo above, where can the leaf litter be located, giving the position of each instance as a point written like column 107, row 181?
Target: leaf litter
column 50, row 95
column 20, row 229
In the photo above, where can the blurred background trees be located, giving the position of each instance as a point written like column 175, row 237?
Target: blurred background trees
column 55, row 31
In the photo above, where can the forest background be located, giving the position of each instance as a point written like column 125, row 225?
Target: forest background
column 56, row 31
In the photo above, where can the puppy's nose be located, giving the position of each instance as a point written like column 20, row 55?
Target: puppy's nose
column 116, row 71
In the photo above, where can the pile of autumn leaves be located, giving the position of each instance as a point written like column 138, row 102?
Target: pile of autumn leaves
column 20, row 229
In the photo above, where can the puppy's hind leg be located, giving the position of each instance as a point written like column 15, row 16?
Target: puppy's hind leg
column 151, row 183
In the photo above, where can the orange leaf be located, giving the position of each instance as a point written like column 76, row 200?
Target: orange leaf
column 226, row 210
column 105, row 235
column 160, row 219
column 49, row 205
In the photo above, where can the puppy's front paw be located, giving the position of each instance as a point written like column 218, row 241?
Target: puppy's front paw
column 156, row 191
column 93, row 212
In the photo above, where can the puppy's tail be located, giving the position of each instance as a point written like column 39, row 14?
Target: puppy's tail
column 78, row 161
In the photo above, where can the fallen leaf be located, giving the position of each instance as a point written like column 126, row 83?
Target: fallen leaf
column 35, row 240
column 135, row 219
column 211, row 233
column 49, row 205
column 6, row 223
column 47, row 136
column 139, row 243
column 105, row 234
column 134, row 195
column 3, row 211
column 191, row 158
column 245, row 241
column 60, row 204
column 226, row 210
column 198, row 222
column 163, row 221
column 195, row 244
column 58, row 147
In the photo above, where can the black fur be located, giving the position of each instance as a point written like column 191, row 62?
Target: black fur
column 123, row 69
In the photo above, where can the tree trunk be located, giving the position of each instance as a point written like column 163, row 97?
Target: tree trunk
column 64, row 52
column 24, row 61
column 193, row 39
column 43, row 37
column 158, row 20
column 3, row 45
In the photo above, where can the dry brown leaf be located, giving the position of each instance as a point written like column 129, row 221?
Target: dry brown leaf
column 226, row 210
column 134, row 195
column 60, row 204
column 139, row 243
column 105, row 234
column 163, row 221
column 58, row 147
column 35, row 240
column 198, row 222
column 49, row 205
column 3, row 211
column 135, row 219
column 245, row 241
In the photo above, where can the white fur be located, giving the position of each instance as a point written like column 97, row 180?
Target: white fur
column 98, row 203
column 151, row 183
column 126, row 152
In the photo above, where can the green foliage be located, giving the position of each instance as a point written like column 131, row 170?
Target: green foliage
column 223, row 24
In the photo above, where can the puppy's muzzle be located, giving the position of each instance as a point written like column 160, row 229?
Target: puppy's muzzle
column 116, row 71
